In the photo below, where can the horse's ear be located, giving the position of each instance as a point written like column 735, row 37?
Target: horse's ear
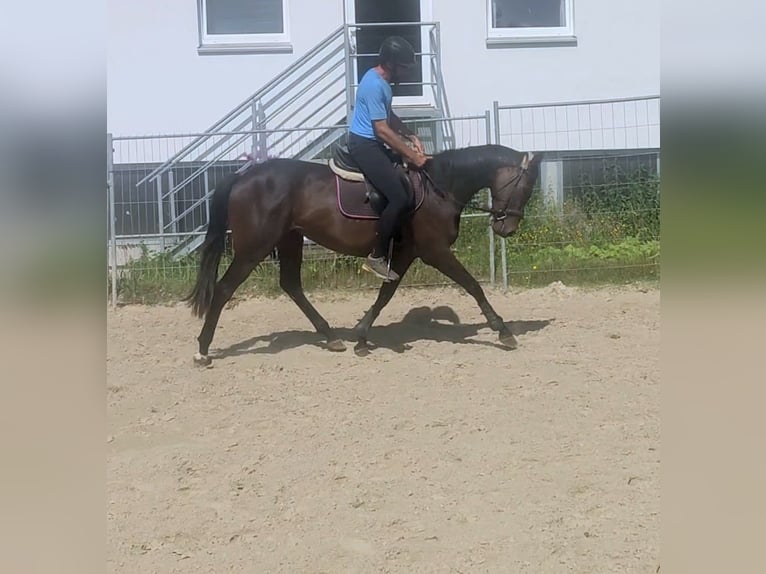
column 531, row 159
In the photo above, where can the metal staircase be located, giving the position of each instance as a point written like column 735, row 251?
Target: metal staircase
column 299, row 114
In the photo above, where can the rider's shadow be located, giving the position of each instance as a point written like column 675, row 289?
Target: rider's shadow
column 439, row 324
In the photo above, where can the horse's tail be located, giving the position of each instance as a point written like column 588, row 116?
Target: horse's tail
column 212, row 249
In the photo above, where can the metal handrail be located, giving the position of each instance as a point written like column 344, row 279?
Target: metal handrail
column 295, row 98
column 405, row 84
column 204, row 167
column 238, row 140
column 223, row 133
column 338, row 32
column 580, row 103
column 225, row 138
column 223, row 142
column 359, row 55
column 245, row 135
column 326, row 117
column 284, row 106
column 282, row 93
column 318, row 109
column 389, row 24
column 434, row 55
column 303, row 76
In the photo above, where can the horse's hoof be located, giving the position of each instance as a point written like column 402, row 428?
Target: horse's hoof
column 508, row 340
column 202, row 360
column 336, row 345
column 361, row 349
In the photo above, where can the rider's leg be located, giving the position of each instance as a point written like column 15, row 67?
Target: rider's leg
column 376, row 165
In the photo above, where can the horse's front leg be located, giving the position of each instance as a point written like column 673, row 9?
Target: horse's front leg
column 446, row 262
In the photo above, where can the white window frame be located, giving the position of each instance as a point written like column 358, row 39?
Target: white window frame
column 243, row 43
column 560, row 34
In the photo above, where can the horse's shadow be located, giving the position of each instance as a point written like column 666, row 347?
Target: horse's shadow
column 438, row 324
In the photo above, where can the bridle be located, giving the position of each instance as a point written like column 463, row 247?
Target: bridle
column 501, row 214
column 497, row 214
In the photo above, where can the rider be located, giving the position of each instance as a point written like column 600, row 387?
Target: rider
column 374, row 124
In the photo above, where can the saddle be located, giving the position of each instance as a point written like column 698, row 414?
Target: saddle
column 358, row 198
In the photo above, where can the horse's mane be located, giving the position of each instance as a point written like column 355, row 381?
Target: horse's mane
column 472, row 158
column 470, row 163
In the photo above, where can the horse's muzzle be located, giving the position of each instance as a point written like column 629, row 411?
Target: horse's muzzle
column 507, row 226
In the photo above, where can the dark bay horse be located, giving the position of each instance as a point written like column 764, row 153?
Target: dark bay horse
column 276, row 203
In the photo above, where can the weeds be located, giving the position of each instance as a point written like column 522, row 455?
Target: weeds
column 603, row 233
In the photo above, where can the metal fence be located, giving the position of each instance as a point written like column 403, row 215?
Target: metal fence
column 597, row 154
column 616, row 124
column 609, row 146
column 159, row 214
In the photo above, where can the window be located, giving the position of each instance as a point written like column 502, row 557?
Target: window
column 511, row 21
column 243, row 26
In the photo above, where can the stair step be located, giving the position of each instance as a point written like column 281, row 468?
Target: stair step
column 417, row 112
column 301, row 113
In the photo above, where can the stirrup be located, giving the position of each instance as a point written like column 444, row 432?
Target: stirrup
column 390, row 275
column 379, row 270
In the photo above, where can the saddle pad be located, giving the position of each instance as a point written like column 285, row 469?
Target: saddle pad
column 352, row 198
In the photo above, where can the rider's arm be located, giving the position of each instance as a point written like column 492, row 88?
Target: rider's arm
column 398, row 126
column 380, row 114
column 385, row 132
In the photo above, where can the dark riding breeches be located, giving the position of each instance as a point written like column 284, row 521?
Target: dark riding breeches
column 375, row 162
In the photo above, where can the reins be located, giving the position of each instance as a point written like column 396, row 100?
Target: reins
column 497, row 214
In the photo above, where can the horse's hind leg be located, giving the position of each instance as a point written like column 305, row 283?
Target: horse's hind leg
column 290, row 250
column 240, row 268
column 400, row 264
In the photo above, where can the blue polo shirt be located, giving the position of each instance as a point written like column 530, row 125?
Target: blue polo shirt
column 373, row 102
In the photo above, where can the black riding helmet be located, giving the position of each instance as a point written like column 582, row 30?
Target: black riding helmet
column 396, row 51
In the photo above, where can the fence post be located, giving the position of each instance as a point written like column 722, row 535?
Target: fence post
column 349, row 73
column 503, row 261
column 263, row 143
column 172, row 200
column 254, row 112
column 552, row 183
column 489, row 203
column 160, row 211
column 207, row 193
column 112, row 214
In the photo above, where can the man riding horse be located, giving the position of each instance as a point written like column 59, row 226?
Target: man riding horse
column 280, row 202
column 375, row 124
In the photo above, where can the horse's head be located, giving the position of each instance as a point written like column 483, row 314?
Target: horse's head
column 511, row 189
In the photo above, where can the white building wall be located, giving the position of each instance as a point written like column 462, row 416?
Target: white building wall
column 617, row 55
column 158, row 83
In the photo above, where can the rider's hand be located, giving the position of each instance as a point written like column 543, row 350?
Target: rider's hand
column 418, row 144
column 417, row 158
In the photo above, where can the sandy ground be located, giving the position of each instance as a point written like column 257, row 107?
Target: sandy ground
column 439, row 452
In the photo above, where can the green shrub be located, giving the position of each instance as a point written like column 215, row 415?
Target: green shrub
column 603, row 233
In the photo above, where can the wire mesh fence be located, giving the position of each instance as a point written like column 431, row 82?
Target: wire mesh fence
column 161, row 207
column 594, row 215
column 616, row 124
column 598, row 189
column 606, row 226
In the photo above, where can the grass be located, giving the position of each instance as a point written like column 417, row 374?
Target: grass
column 159, row 278
column 605, row 233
